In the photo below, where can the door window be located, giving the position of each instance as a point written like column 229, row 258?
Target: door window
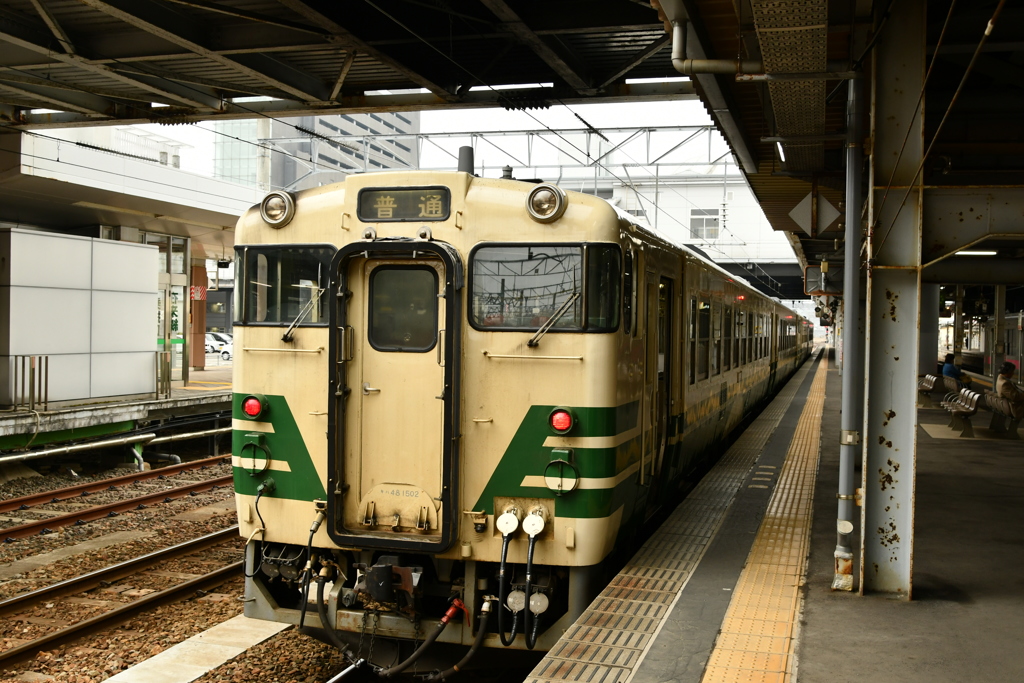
column 403, row 308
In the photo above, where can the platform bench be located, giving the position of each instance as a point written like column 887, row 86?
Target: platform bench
column 925, row 386
column 961, row 407
column 1003, row 421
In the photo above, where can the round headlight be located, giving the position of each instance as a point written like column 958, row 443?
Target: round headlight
column 277, row 209
column 546, row 203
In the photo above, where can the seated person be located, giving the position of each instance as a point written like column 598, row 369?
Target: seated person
column 1010, row 391
column 951, row 370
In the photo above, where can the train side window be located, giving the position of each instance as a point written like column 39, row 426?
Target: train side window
column 716, row 340
column 703, row 337
column 403, row 308
column 627, row 291
column 602, row 287
column 741, row 342
column 693, row 340
column 727, row 328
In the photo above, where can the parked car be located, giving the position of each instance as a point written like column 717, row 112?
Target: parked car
column 225, row 351
column 222, row 337
column 213, row 344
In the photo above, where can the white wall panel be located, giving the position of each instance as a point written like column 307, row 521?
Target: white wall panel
column 69, row 377
column 123, row 321
column 50, row 321
column 114, row 374
column 41, row 259
column 124, row 267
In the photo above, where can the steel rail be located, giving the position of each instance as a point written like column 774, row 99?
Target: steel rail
column 110, row 509
column 120, row 614
column 115, row 572
column 81, row 490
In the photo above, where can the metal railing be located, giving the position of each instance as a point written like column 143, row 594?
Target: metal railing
column 30, row 386
column 162, row 374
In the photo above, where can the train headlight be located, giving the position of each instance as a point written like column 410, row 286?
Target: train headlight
column 253, row 406
column 277, row 209
column 546, row 203
column 561, row 420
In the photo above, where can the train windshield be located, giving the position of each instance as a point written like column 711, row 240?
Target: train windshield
column 282, row 285
column 521, row 286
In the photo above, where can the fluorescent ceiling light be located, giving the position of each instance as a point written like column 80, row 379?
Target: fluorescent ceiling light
column 671, row 79
column 511, row 86
column 782, row 154
column 976, row 253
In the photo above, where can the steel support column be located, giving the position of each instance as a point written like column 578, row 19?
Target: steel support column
column 893, row 319
column 958, row 327
column 998, row 345
column 853, row 354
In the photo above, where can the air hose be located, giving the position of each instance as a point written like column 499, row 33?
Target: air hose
column 308, row 569
column 507, row 524
column 477, row 642
column 531, row 636
column 427, row 642
column 532, row 525
column 321, row 607
column 503, row 593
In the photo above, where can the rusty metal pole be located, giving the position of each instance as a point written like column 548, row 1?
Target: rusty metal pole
column 853, row 353
column 892, row 337
column 998, row 331
column 958, row 327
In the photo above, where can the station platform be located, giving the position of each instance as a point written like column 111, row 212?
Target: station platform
column 736, row 585
column 208, row 391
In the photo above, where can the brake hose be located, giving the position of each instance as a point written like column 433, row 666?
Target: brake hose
column 503, row 593
column 308, row 569
column 531, row 638
column 481, row 633
column 507, row 524
column 427, row 642
column 532, row 525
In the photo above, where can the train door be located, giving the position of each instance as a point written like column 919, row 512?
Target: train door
column 656, row 383
column 396, row 424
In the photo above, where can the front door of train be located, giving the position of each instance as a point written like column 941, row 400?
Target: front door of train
column 395, row 420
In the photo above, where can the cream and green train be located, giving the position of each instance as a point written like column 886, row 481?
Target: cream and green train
column 459, row 387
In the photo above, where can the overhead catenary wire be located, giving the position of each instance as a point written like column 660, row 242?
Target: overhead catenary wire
column 917, row 107
column 945, row 116
column 311, row 160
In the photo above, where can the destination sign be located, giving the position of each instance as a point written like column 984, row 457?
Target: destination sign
column 404, row 204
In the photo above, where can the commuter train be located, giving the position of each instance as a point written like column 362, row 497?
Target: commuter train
column 463, row 394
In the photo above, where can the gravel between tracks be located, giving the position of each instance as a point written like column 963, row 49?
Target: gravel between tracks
column 94, row 658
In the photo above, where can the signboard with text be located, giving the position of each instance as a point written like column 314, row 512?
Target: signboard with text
column 404, row 204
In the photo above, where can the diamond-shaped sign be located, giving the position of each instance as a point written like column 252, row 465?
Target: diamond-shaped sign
column 801, row 214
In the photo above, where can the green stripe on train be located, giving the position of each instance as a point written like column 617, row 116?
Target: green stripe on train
column 286, row 444
column 526, row 456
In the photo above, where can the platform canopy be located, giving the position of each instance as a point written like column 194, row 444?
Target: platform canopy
column 771, row 73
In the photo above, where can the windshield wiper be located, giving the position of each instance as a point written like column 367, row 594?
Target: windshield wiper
column 288, row 334
column 553, row 319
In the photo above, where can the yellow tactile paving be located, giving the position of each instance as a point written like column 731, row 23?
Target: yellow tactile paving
column 756, row 643
column 611, row 638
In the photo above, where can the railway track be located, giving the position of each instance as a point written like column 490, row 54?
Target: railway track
column 71, row 493
column 124, row 612
column 43, row 526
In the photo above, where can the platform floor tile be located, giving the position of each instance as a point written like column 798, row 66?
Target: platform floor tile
column 756, row 641
column 610, row 639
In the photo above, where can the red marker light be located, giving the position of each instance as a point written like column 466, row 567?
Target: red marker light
column 741, row 298
column 252, row 406
column 561, row 421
